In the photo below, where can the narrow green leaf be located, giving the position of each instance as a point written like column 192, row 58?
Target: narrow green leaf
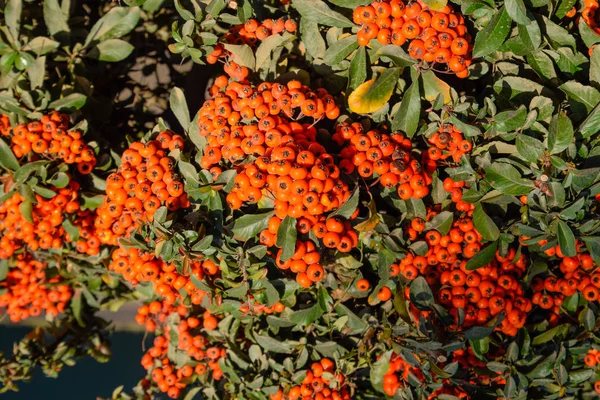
column 560, row 133
column 484, row 224
column 358, row 69
column 179, row 107
column 250, row 225
column 507, row 179
column 340, row 50
column 286, row 237
column 319, row 12
column 55, row 18
column 12, row 16
column 348, row 208
column 7, row 157
column 566, row 239
column 409, row 113
column 483, row 258
column 517, row 11
column 490, row 38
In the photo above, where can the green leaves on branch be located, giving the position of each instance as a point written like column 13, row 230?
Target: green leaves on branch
column 507, row 179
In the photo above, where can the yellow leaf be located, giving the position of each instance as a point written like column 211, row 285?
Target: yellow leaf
column 433, row 86
column 374, row 94
column 436, row 5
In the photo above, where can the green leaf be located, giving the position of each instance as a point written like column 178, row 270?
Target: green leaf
column 478, row 332
column 483, row 258
column 490, row 38
column 242, row 55
column 12, row 16
column 55, row 18
column 320, row 13
column 564, row 7
column 41, row 45
column 179, row 107
column 395, row 53
column 348, row 208
column 542, row 64
column 441, row 222
column 560, row 133
column 566, row 239
column 340, row 50
column 286, row 237
column 530, row 35
column 377, row 94
column 7, row 157
column 581, row 97
column 273, row 345
column 111, row 50
column 312, row 39
column 484, row 224
column 350, row 3
column 379, row 370
column 116, row 23
column 264, row 50
column 306, row 316
column 517, row 11
column 507, row 179
column 76, row 307
column 74, row 101
column 421, row 295
column 250, row 225
column 408, row 115
column 3, row 269
column 589, row 126
column 529, row 148
column 358, row 69
column 36, row 72
column 558, row 35
column 595, row 68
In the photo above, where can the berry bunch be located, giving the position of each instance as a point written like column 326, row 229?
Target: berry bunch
column 304, row 262
column 439, row 37
column 49, row 138
column 42, row 227
column 590, row 16
column 397, row 373
column 448, row 142
column 320, row 382
column 145, row 181
column 253, row 307
column 136, row 266
column 455, row 188
column 482, row 293
column 27, row 291
column 251, row 32
column 388, row 156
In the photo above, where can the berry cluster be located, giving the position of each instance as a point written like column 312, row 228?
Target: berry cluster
column 136, row 266
column 388, row 156
column 482, row 293
column 320, row 382
column 251, row 32
column 27, row 291
column 42, row 227
column 590, row 16
column 145, row 181
column 49, row 138
column 439, row 37
column 448, row 142
column 304, row 262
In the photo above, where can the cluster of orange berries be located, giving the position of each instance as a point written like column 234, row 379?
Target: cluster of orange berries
column 398, row 372
column 255, row 308
column 29, row 292
column 439, row 37
column 145, row 181
column 448, row 142
column 482, row 293
column 45, row 231
column 388, row 156
column 577, row 276
column 166, row 376
column 589, row 14
column 316, row 384
column 137, row 266
column 49, row 138
column 251, row 32
column 304, row 263
column 591, row 359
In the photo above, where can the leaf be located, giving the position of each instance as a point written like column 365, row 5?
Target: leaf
column 264, row 50
column 242, row 55
column 581, row 97
column 529, row 148
column 306, row 316
column 319, row 12
column 55, row 18
column 250, row 225
column 348, row 208
column 340, row 50
column 191, row 394
column 395, row 53
column 374, row 94
column 350, row 3
column 7, row 157
column 379, row 370
column 421, row 295
column 76, row 307
column 179, row 107
column 595, row 67
column 74, row 101
column 441, row 222
column 566, row 239
column 517, row 11
column 490, row 38
column 12, row 16
column 111, row 50
column 286, row 237
column 483, row 258
column 41, row 45
column 507, row 179
column 408, row 115
column 484, row 224
column 312, row 39
column 434, row 86
column 118, row 22
column 510, row 120
column 542, row 64
column 589, row 126
column 358, row 69
column 272, row 345
column 3, row 269
column 478, row 332
column 436, row 5
column 560, row 133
